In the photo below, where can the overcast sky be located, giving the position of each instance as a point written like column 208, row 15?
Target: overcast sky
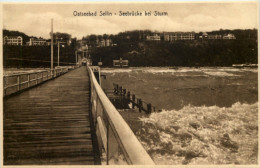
column 35, row 19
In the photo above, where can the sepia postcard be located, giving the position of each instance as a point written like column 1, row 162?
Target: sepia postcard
column 169, row 84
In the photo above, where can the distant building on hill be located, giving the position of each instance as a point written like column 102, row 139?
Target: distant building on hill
column 179, row 36
column 120, row 63
column 205, row 36
column 13, row 40
column 155, row 37
column 37, row 42
column 48, row 42
column 104, row 42
column 108, row 42
column 229, row 36
column 214, row 37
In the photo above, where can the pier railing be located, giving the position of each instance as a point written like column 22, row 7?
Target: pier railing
column 113, row 133
column 17, row 82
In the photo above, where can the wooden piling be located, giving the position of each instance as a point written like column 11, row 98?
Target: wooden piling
column 128, row 96
column 140, row 104
column 133, row 101
column 124, row 92
column 149, row 108
column 115, row 90
column 120, row 90
column 125, row 97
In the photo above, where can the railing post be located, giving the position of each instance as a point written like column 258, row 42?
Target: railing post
column 149, row 108
column 18, row 82
column 42, row 76
column 140, row 103
column 28, row 80
column 5, row 84
column 36, row 78
column 133, row 101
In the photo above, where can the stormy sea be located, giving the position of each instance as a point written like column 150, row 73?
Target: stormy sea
column 203, row 115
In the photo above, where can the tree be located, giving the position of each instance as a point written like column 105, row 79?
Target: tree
column 63, row 36
column 16, row 33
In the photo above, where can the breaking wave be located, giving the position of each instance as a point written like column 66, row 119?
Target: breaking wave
column 202, row 135
column 220, row 74
column 113, row 70
column 183, row 71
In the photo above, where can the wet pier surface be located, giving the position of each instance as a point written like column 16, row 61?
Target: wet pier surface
column 50, row 124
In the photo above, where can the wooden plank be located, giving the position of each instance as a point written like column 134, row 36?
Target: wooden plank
column 50, row 124
column 78, row 160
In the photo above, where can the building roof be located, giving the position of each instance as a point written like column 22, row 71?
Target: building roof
column 35, row 38
column 13, row 36
column 183, row 33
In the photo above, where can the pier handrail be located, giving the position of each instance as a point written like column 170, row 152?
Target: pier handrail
column 37, row 77
column 112, row 131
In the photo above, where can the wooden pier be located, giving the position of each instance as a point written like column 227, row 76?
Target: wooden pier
column 65, row 119
column 50, row 124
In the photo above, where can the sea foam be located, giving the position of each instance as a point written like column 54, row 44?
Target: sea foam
column 194, row 135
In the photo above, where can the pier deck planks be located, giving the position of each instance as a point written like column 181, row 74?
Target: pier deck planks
column 49, row 124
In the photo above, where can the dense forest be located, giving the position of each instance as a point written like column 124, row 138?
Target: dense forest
column 36, row 56
column 211, row 53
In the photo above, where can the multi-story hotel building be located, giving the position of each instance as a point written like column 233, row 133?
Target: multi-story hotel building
column 13, row 40
column 37, row 42
column 179, row 36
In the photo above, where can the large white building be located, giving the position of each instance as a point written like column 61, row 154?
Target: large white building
column 37, row 42
column 229, row 36
column 13, row 40
column 179, row 36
